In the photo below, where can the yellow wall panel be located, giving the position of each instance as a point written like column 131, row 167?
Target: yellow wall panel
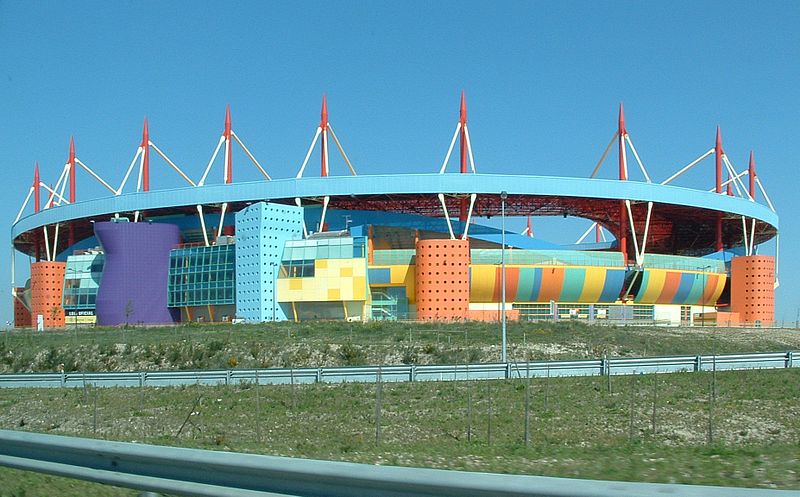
column 593, row 284
column 482, row 283
column 655, row 285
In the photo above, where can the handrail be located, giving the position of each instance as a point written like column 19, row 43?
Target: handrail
column 396, row 373
column 196, row 472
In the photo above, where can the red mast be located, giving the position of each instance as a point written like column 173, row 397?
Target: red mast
column 71, row 162
column 36, row 193
column 462, row 120
column 146, row 158
column 752, row 176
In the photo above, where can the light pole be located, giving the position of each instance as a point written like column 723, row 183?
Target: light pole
column 503, row 197
column 703, row 298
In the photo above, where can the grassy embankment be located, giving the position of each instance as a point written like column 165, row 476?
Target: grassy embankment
column 748, row 436
column 334, row 344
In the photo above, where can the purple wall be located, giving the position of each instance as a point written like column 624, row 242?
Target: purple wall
column 134, row 285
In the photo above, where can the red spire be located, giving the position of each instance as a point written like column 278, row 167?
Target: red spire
column 621, row 123
column 227, row 135
column 146, row 159
column 71, row 162
column 227, row 132
column 323, row 123
column 530, row 227
column 462, row 120
column 36, row 196
column 462, row 115
column 752, row 175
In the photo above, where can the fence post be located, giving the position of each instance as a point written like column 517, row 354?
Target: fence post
column 698, row 363
column 789, row 359
column 413, row 373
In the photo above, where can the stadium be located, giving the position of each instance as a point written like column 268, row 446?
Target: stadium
column 394, row 247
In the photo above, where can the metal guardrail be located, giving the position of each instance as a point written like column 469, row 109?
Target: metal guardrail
column 369, row 374
column 206, row 473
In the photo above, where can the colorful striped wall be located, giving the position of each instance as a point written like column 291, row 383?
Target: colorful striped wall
column 662, row 286
column 546, row 283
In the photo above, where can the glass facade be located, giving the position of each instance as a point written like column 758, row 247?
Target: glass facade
column 202, row 276
column 81, row 281
column 299, row 255
column 548, row 257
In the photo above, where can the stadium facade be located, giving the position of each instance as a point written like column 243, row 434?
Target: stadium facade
column 387, row 247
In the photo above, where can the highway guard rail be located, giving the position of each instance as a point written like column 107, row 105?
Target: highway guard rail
column 206, row 473
column 431, row 372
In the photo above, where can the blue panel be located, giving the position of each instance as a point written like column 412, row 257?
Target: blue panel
column 261, row 231
column 615, row 279
column 537, row 283
column 684, row 288
column 380, row 276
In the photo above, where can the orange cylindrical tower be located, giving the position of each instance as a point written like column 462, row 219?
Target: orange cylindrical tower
column 47, row 283
column 22, row 315
column 753, row 288
column 442, row 280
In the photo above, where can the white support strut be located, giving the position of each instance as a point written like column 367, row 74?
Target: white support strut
column 764, row 192
column 687, row 167
column 325, row 151
column 172, row 164
column 67, row 168
column 450, row 149
column 646, row 230
column 469, row 148
column 325, row 202
column 585, row 234
column 55, row 243
column 605, row 154
column 203, row 224
column 633, row 231
column 46, row 243
column 250, row 155
column 54, row 194
column 752, row 234
column 472, row 199
column 635, row 154
column 746, row 241
column 341, row 150
column 58, row 183
column 299, row 204
column 447, row 216
column 24, row 204
column 736, row 177
column 211, row 161
column 308, row 154
column 96, row 176
column 128, row 171
column 222, row 219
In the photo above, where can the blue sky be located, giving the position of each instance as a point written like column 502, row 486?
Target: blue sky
column 543, row 82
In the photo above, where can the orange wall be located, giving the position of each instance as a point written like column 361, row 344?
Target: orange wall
column 47, row 283
column 22, row 315
column 442, row 280
column 753, row 289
